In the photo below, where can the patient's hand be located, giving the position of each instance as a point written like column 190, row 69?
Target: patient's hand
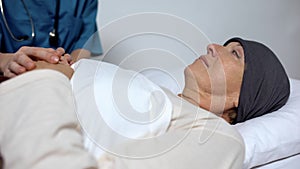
column 65, row 59
column 62, row 67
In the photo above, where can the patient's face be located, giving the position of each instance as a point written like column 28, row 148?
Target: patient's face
column 216, row 77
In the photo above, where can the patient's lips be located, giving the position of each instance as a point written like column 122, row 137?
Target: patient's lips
column 204, row 60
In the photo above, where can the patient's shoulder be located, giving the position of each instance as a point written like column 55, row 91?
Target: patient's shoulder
column 186, row 116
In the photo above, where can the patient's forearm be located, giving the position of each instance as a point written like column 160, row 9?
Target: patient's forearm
column 63, row 68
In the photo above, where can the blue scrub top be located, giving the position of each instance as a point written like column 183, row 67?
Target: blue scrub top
column 76, row 26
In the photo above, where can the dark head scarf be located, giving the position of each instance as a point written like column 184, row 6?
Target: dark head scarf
column 265, row 86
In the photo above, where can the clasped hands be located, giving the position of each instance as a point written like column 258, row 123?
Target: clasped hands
column 30, row 58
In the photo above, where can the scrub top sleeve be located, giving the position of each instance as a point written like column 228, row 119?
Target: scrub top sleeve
column 1, row 42
column 89, row 38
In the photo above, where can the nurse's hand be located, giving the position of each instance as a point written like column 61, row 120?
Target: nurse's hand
column 13, row 64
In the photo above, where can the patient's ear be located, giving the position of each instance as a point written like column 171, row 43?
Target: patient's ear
column 230, row 115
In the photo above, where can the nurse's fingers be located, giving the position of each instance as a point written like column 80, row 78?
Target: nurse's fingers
column 40, row 53
column 60, row 51
column 9, row 74
column 13, row 69
column 24, row 61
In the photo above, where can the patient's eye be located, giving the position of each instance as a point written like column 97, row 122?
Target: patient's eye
column 235, row 53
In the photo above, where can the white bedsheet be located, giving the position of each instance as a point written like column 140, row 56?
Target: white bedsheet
column 292, row 162
column 118, row 102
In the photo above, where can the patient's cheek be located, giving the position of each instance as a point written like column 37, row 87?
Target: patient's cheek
column 65, row 69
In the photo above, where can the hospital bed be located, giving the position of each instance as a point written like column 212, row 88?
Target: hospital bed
column 149, row 44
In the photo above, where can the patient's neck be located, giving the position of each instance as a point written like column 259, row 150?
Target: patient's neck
column 191, row 95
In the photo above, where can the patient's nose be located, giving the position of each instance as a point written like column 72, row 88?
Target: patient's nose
column 212, row 49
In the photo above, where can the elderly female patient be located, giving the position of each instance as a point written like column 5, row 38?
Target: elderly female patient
column 238, row 81
column 241, row 80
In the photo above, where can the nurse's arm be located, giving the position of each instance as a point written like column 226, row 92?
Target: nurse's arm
column 13, row 64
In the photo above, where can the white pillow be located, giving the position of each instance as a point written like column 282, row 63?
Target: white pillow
column 275, row 135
